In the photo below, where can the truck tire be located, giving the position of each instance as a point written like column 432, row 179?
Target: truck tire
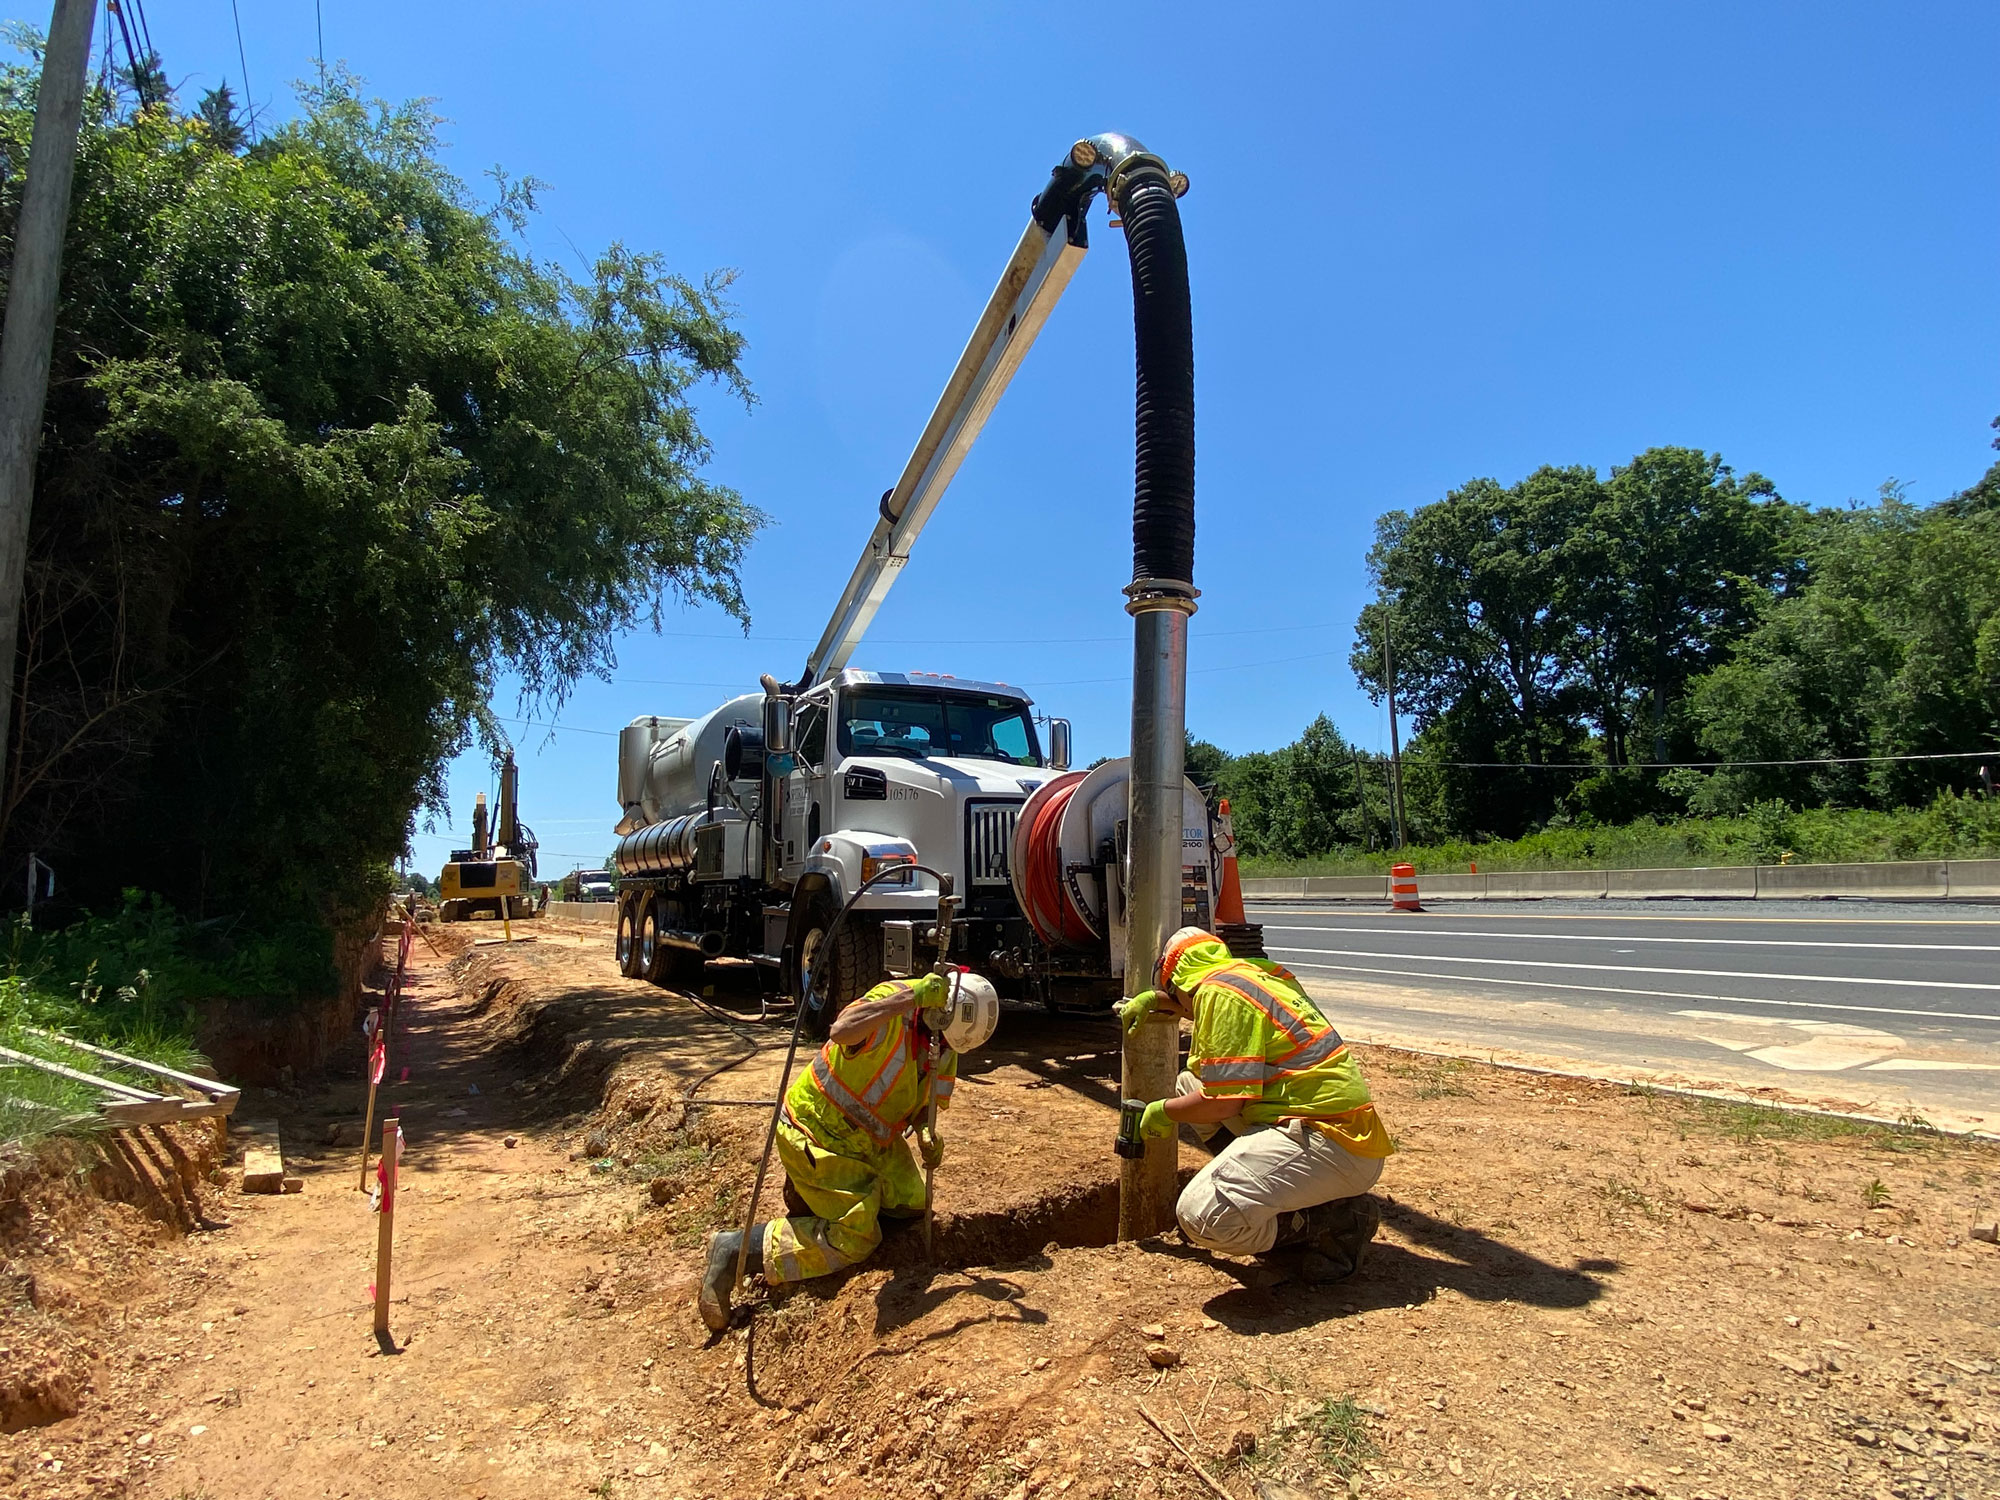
column 673, row 966
column 851, row 970
column 648, row 925
column 626, row 947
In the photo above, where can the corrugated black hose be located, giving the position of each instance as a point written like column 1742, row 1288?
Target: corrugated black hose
column 1163, row 327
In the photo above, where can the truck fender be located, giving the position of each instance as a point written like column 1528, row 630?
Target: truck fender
column 843, row 855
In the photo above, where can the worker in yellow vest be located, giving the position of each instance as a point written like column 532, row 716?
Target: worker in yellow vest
column 841, row 1133
column 1267, row 1067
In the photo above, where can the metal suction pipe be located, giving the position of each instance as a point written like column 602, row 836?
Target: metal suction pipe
column 1160, row 599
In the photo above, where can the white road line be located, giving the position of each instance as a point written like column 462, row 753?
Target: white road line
column 1546, row 963
column 1589, row 916
column 1610, row 989
column 1592, row 937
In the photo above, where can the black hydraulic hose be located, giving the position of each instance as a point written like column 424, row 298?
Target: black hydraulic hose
column 1163, row 328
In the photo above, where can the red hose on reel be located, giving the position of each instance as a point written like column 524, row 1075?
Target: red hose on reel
column 1050, row 909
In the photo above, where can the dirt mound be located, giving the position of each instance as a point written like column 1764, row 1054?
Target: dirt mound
column 78, row 1227
column 1578, row 1290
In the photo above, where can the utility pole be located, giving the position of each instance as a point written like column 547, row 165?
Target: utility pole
column 1395, row 737
column 1361, row 800
column 30, row 330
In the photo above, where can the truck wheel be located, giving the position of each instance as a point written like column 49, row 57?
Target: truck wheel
column 649, row 942
column 674, row 967
column 840, row 976
column 627, row 947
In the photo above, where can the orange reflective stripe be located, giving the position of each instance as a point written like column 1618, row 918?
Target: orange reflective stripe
column 1275, row 1010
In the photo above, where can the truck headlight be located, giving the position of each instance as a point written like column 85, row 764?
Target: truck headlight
column 874, row 864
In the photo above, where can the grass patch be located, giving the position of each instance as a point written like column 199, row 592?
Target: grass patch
column 1951, row 827
column 1620, row 1194
column 1753, row 1123
column 1339, row 1429
column 1441, row 1079
column 133, row 982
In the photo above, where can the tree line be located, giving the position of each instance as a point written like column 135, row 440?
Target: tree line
column 328, row 451
column 1565, row 645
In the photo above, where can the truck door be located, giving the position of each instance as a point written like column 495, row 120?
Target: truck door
column 805, row 790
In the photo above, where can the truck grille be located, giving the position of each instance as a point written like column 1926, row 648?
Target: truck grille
column 989, row 839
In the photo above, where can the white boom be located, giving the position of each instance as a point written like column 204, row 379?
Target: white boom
column 1029, row 289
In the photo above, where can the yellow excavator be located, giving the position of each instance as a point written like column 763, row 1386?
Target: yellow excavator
column 495, row 877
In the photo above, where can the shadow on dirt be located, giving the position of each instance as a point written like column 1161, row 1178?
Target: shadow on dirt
column 1465, row 1261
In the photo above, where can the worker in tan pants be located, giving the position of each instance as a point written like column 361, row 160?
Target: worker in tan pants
column 1306, row 1144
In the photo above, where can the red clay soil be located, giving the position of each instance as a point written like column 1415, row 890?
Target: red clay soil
column 1579, row 1290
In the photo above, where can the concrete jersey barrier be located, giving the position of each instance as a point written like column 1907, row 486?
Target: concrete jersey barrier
column 585, row 911
column 1936, row 879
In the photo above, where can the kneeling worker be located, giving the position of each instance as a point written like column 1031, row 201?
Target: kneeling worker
column 841, row 1133
column 1267, row 1067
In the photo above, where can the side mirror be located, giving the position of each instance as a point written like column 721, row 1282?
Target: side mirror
column 1059, row 744
column 777, row 726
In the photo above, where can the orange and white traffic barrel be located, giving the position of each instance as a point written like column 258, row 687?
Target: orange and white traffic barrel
column 1403, row 888
column 1229, row 901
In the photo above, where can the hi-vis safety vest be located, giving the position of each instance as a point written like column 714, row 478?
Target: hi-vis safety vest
column 855, row 1100
column 1259, row 1039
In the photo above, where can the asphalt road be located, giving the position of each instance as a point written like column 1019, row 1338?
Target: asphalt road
column 1892, row 1007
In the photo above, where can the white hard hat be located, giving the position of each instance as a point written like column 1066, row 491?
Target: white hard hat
column 975, row 1012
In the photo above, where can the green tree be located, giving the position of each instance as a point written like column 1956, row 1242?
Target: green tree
column 1206, row 764
column 1296, row 801
column 328, row 452
column 1892, row 648
column 1668, row 569
column 1476, row 592
column 217, row 110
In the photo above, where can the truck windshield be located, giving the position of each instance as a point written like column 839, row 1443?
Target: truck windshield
column 906, row 721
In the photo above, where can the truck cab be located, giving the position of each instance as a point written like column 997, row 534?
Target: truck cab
column 903, row 768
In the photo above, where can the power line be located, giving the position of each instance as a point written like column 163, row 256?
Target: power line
column 243, row 61
column 319, row 31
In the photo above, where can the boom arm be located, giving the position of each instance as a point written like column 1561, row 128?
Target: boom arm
column 1029, row 288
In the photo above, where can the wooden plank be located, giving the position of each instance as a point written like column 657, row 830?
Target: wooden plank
column 142, row 1111
column 121, row 1090
column 207, row 1086
column 263, row 1159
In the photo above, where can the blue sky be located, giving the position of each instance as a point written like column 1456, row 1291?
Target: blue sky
column 1428, row 243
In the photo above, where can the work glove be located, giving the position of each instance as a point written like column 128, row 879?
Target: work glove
column 933, row 997
column 1132, row 1012
column 930, row 1146
column 1156, row 1124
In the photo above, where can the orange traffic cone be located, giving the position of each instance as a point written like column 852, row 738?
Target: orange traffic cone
column 1229, row 901
column 1403, row 888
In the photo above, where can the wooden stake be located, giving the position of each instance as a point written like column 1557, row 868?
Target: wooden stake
column 367, row 1125
column 1205, row 1477
column 385, row 1227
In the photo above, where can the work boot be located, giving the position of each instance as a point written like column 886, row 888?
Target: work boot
column 718, row 1278
column 1345, row 1230
column 1335, row 1236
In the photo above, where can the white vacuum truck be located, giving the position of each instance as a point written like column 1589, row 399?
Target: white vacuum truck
column 744, row 832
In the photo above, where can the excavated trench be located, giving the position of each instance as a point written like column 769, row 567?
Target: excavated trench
column 1029, row 1163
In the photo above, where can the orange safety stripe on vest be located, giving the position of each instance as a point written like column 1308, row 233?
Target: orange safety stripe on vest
column 860, row 1108
column 1310, row 1048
